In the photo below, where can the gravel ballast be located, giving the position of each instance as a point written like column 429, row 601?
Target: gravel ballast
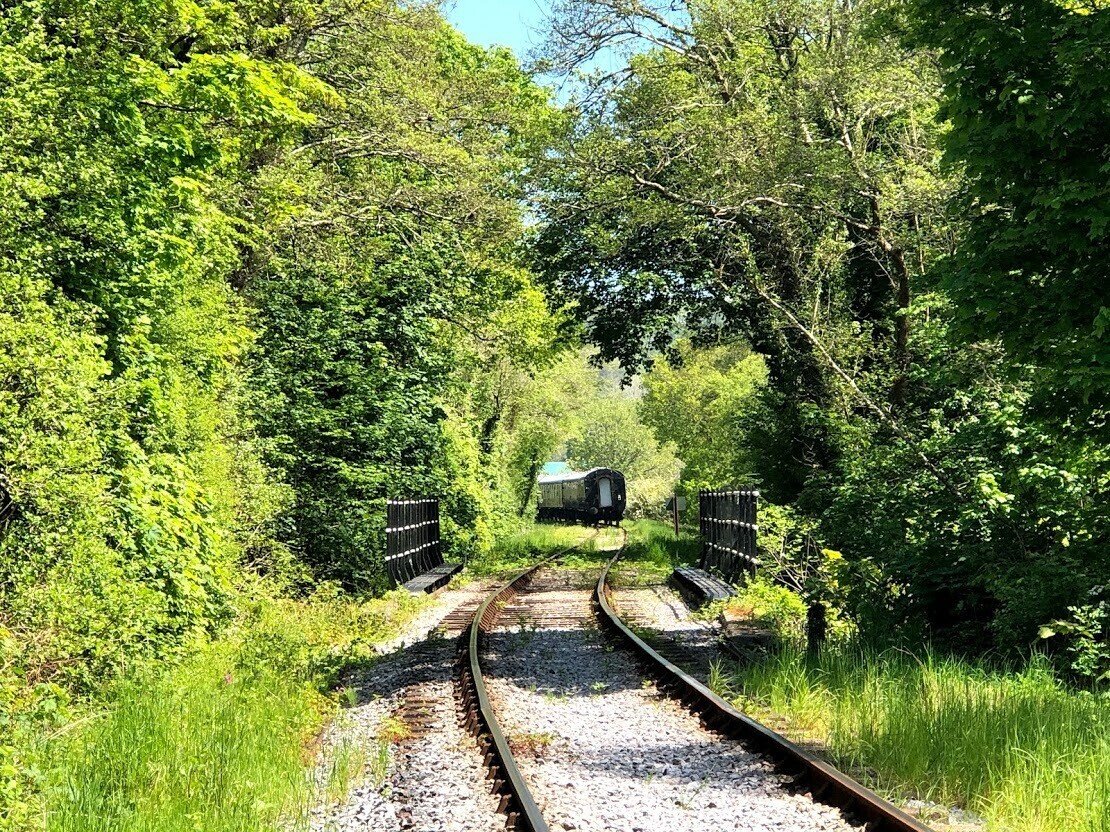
column 434, row 780
column 604, row 751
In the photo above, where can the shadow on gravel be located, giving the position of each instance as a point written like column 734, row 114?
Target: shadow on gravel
column 433, row 659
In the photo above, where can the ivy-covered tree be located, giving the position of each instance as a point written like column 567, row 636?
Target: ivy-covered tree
column 121, row 337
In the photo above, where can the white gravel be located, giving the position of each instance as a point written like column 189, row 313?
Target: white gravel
column 604, row 751
column 435, row 781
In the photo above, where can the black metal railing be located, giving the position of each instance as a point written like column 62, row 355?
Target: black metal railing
column 412, row 544
column 729, row 531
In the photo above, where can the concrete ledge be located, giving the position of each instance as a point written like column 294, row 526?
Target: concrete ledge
column 701, row 585
column 433, row 579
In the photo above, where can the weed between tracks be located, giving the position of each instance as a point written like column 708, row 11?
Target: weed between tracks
column 651, row 555
column 1018, row 749
column 530, row 743
column 391, row 730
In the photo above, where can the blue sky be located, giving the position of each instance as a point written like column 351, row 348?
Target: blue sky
column 512, row 23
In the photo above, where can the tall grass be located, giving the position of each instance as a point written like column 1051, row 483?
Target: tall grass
column 225, row 741
column 195, row 749
column 1017, row 748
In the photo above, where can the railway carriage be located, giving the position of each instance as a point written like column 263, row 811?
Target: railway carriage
column 595, row 497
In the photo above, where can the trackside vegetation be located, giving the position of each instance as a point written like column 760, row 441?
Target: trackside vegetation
column 1012, row 745
column 258, row 271
column 266, row 263
column 224, row 740
column 882, row 323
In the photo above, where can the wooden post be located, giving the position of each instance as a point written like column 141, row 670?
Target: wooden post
column 674, row 511
column 816, row 629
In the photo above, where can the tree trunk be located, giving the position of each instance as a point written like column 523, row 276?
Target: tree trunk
column 529, row 485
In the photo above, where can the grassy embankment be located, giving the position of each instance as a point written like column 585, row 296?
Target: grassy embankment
column 224, row 741
column 652, row 552
column 1016, row 747
column 516, row 552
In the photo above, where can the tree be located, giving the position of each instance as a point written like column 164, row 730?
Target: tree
column 751, row 181
column 700, row 405
column 773, row 177
column 1025, row 88
column 122, row 339
column 387, row 285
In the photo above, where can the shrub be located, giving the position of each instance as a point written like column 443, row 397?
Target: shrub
column 773, row 606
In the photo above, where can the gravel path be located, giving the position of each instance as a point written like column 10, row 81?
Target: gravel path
column 604, row 751
column 434, row 780
column 689, row 643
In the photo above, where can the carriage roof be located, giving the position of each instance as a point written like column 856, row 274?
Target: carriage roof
column 571, row 476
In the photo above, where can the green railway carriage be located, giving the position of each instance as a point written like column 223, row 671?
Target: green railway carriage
column 595, row 497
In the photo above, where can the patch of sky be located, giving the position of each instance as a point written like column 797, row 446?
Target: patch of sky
column 523, row 26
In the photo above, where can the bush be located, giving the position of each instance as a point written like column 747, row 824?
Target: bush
column 530, row 543
column 770, row 605
column 215, row 742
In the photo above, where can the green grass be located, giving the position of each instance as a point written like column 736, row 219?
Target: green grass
column 226, row 740
column 515, row 552
column 652, row 554
column 1017, row 747
column 196, row 749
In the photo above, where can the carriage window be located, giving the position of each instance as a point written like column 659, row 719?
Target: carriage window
column 605, row 492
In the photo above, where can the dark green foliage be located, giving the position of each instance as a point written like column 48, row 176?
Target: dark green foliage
column 1026, row 94
column 386, row 289
column 353, row 407
column 119, row 330
column 773, row 178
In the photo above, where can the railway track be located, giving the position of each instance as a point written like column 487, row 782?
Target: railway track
column 539, row 607
column 806, row 772
column 547, row 677
column 516, row 800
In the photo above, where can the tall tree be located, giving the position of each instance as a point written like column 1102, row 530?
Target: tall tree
column 121, row 339
column 1026, row 90
column 772, row 175
column 701, row 404
column 764, row 172
column 388, row 271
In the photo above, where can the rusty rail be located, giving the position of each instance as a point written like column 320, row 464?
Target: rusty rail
column 516, row 800
column 823, row 781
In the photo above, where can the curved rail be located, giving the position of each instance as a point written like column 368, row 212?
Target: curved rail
column 825, row 783
column 516, row 799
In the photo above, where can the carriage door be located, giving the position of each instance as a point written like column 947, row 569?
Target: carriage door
column 605, row 492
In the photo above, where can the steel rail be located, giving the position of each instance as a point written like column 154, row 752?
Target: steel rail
column 516, row 800
column 825, row 783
